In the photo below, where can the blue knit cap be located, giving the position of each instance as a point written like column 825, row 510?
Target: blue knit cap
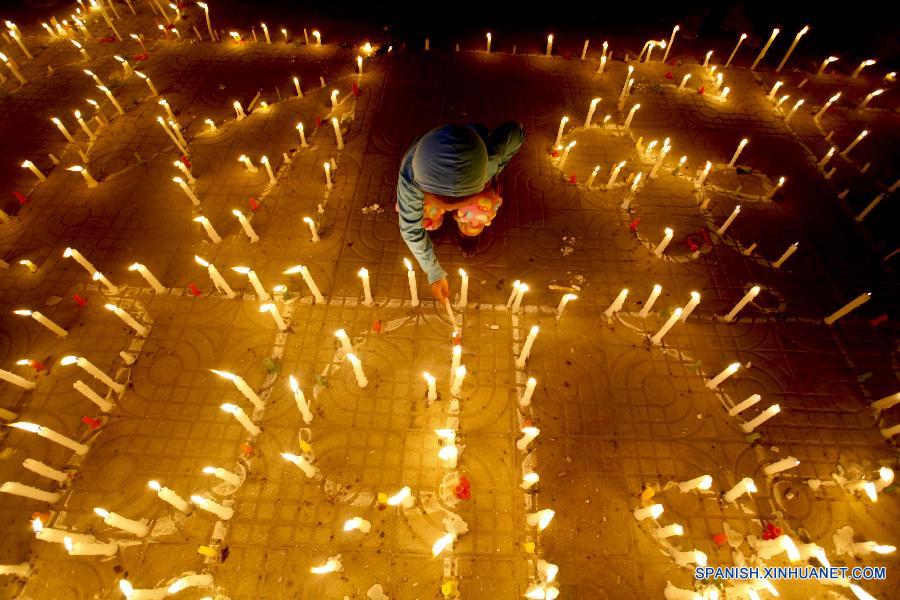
column 451, row 161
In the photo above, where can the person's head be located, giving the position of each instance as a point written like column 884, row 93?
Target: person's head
column 451, row 163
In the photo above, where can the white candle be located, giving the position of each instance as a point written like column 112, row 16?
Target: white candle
column 196, row 580
column 852, row 305
column 565, row 155
column 328, row 184
column 334, row 562
column 782, row 465
column 684, row 81
column 208, row 227
column 463, row 290
column 216, row 277
column 432, row 388
column 357, row 523
column 750, row 401
column 80, row 259
column 223, row 512
column 733, row 52
column 411, row 278
column 175, row 139
column 239, row 113
column 265, row 161
column 669, row 531
column 659, row 160
column 40, row 318
column 549, row 45
column 862, row 65
column 616, row 306
column 36, row 466
column 562, row 304
column 242, row 387
column 787, row 254
column 863, row 548
column 458, row 379
column 771, row 193
column 725, row 374
column 520, row 293
column 14, row 68
column 590, row 181
column 614, row 174
column 455, row 358
column 869, row 97
column 84, row 126
column 303, row 143
column 112, row 99
column 300, row 399
column 661, row 247
column 513, row 293
column 112, row 519
column 248, row 164
column 602, row 66
column 309, row 470
column 91, row 182
column 794, row 108
column 526, row 348
column 540, row 519
column 748, row 297
column 669, row 45
column 529, row 480
column 341, row 335
column 337, row 133
column 699, row 183
column 590, row 113
column 273, row 310
column 93, row 371
column 402, row 498
column 775, row 89
column 559, row 132
column 704, row 482
column 584, row 49
column 37, row 172
column 858, row 139
column 49, row 434
column 334, row 97
column 826, row 106
column 153, row 92
column 690, row 306
column 744, row 486
column 886, row 402
column 737, row 152
column 525, row 400
column 104, row 404
column 245, row 224
column 651, row 300
column 318, row 37
column 673, row 318
column 764, row 416
column 363, row 274
column 62, row 129
column 167, row 495
column 225, row 475
column 26, row 491
column 631, row 115
column 242, row 418
column 98, row 276
column 58, row 536
column 254, row 281
column 787, row 55
column 361, row 379
column 825, row 64
column 90, row 549
column 528, row 435
column 649, row 512
column 128, row 320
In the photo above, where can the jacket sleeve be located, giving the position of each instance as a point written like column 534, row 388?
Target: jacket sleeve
column 503, row 143
column 410, row 203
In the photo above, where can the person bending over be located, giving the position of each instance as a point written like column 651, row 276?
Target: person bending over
column 452, row 168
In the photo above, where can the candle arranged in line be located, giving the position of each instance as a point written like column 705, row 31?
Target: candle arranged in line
column 245, row 225
column 850, row 306
column 93, row 371
column 853, row 144
column 649, row 512
column 529, row 433
column 58, row 536
column 169, row 496
column 704, row 482
column 866, row 63
column 661, row 247
column 787, row 254
column 525, row 400
column 782, row 465
column 526, row 348
column 411, row 278
column 53, row 436
column 98, row 276
column 540, row 519
column 328, row 183
column 90, row 548
column 651, row 300
column 430, row 381
column 559, row 133
column 209, row 229
column 85, row 390
column 39, row 468
column 242, row 418
column 673, row 318
column 265, row 161
column 15, row 488
column 361, row 379
column 723, row 375
column 40, row 318
column 764, row 416
column 520, row 294
column 744, row 486
column 690, row 306
column 138, row 528
column 748, row 297
column 141, row 330
column 304, row 465
column 223, row 512
column 225, row 475
column 617, row 304
column 91, row 182
column 363, row 274
column 562, row 304
column 276, row 316
column 743, row 143
column 216, row 277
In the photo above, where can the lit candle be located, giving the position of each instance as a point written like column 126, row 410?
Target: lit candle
column 862, row 65
column 49, row 434
column 242, row 418
column 616, row 306
column 863, row 548
column 359, row 65
column 750, row 401
column 402, row 498
column 684, row 81
column 559, row 132
column 84, row 54
column 787, row 55
column 869, row 97
column 172, row 136
column 62, row 129
column 463, row 290
column 631, row 115
column 273, row 310
column 185, row 171
column 337, row 133
column 886, row 402
column 721, row 230
column 251, row 168
column 318, row 37
column 205, row 8
column 659, row 160
column 549, row 45
column 39, row 468
column 104, row 404
column 58, row 536
column 334, row 97
column 562, row 304
column 782, row 465
column 764, row 416
column 565, row 155
column 528, row 435
column 300, row 398
column 661, row 247
column 614, row 174
column 84, row 126
column 787, row 254
column 529, row 480
column 733, row 52
column 93, row 371
column 26, row 491
column 153, row 92
column 774, row 90
column 826, row 106
column 223, row 512
column 91, row 182
column 239, row 113
column 216, row 277
column 590, row 181
column 37, row 172
column 458, row 379
column 254, row 281
column 40, row 318
column 210, row 231
column 525, row 400
column 328, row 184
column 334, row 562
column 885, row 478
column 245, row 224
column 520, row 294
column 29, row 265
column 367, row 291
column 98, row 276
column 307, row 278
column 309, row 470
column 361, row 379
column 14, row 68
column 90, row 549
column 242, row 387
column 112, row 99
column 669, row 45
column 825, row 64
column 167, row 495
column 526, row 348
column 455, row 358
column 722, row 376
column 748, row 297
column 357, row 523
column 225, row 475
column 852, row 305
column 590, row 114
column 602, row 66
column 737, row 152
column 744, row 486
column 128, row 319
column 673, row 318
column 148, row 276
column 265, row 161
column 858, row 139
column 432, row 388
column 411, row 278
column 704, row 482
column 303, row 143
column 540, row 519
column 794, row 108
column 651, row 300
column 513, row 293
column 775, row 188
column 706, row 60
column 649, row 512
column 138, row 528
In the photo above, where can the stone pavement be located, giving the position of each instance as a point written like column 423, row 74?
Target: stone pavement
column 619, row 419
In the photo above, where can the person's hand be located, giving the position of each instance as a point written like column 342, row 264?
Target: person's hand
column 441, row 290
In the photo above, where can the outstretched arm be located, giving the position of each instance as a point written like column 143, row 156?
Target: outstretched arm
column 410, row 201
column 503, row 143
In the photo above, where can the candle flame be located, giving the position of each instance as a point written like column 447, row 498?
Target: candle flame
column 352, row 524
column 400, row 496
column 408, row 264
column 330, row 566
column 23, row 312
column 531, row 478
column 25, row 426
column 241, row 270
column 37, row 525
column 441, row 544
column 101, row 512
column 201, row 261
column 446, row 434
column 154, row 485
column 230, row 408
column 68, row 360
